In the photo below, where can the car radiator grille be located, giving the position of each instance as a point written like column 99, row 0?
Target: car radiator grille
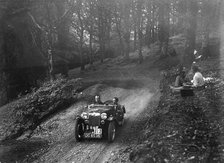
column 94, row 120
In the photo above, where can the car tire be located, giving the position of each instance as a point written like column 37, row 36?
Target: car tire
column 78, row 130
column 111, row 132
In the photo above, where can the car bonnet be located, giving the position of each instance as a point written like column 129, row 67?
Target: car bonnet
column 100, row 109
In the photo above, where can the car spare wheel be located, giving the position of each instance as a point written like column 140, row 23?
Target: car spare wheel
column 111, row 131
column 78, row 130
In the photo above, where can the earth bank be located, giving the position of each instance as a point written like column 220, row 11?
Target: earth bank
column 186, row 129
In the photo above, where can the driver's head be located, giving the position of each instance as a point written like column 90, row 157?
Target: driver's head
column 115, row 100
column 97, row 98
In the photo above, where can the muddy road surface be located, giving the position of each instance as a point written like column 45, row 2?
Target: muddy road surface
column 53, row 140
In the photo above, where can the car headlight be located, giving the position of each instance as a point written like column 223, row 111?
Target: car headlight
column 104, row 116
column 85, row 115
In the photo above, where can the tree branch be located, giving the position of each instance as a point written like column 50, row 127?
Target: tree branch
column 34, row 21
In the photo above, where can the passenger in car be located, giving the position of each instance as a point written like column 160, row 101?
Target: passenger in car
column 117, row 105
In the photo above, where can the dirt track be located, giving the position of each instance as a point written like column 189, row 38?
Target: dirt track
column 138, row 91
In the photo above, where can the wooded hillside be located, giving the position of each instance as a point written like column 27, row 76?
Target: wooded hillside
column 39, row 38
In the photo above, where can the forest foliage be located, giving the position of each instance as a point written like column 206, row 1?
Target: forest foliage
column 52, row 36
column 101, row 27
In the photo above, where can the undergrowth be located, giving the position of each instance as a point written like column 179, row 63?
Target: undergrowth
column 29, row 111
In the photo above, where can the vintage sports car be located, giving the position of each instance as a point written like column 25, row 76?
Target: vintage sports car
column 99, row 121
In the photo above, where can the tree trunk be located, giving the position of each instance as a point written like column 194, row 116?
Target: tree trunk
column 101, row 31
column 140, row 34
column 118, row 27
column 91, row 60
column 167, row 26
column 153, row 22
column 127, row 28
column 140, row 46
column 192, row 10
column 82, row 62
column 80, row 51
column 161, row 28
column 107, row 19
column 64, row 24
column 51, row 65
column 149, row 24
column 135, row 38
column 50, row 45
column 91, row 48
column 127, row 42
column 148, row 34
column 206, row 21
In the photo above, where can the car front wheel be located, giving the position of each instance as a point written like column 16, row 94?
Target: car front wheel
column 111, row 131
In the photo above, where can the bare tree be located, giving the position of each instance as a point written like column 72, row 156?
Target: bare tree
column 139, row 8
column 118, row 24
column 127, row 26
column 190, row 30
column 81, row 31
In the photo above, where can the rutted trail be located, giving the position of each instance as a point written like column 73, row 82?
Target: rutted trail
column 100, row 151
column 139, row 94
column 136, row 100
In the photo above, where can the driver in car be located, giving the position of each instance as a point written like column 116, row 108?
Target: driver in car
column 97, row 100
column 115, row 101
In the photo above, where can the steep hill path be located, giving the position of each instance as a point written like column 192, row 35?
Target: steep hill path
column 137, row 87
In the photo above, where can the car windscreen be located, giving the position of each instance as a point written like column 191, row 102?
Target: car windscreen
column 106, row 107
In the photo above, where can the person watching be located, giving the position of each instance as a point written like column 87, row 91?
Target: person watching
column 118, row 106
column 180, row 79
column 198, row 79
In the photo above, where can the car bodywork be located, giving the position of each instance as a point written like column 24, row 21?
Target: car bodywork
column 99, row 121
